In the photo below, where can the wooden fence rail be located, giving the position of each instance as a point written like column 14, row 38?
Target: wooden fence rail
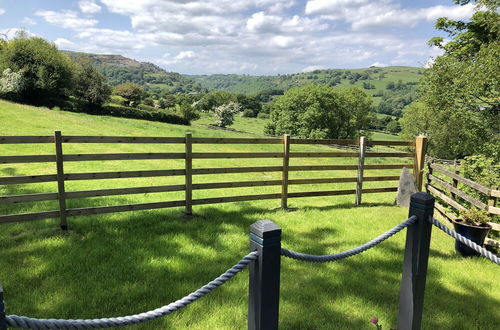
column 61, row 176
column 451, row 195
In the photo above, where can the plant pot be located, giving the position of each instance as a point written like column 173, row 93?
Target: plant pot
column 477, row 234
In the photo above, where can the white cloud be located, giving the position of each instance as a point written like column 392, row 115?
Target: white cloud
column 378, row 64
column 282, row 41
column 262, row 23
column 66, row 19
column 89, row 7
column 28, row 21
column 11, row 33
column 313, row 67
column 2, row 11
column 65, row 44
column 185, row 55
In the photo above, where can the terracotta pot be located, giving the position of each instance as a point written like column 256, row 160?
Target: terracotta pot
column 477, row 234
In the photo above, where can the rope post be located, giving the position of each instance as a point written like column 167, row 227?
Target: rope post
column 189, row 175
column 420, row 150
column 264, row 286
column 284, row 176
column 60, row 180
column 3, row 322
column 361, row 165
column 416, row 255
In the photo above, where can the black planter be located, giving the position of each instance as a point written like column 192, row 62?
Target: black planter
column 474, row 233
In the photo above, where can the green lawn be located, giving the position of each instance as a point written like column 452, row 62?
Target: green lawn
column 124, row 263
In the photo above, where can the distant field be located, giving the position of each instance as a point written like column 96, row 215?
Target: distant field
column 124, row 263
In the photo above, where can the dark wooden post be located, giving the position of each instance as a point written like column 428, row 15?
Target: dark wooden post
column 418, row 238
column 3, row 322
column 60, row 180
column 189, row 175
column 264, row 286
column 361, row 165
column 284, row 176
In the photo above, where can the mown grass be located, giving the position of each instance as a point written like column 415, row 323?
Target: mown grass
column 125, row 263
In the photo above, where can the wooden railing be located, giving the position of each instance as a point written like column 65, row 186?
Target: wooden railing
column 444, row 184
column 61, row 177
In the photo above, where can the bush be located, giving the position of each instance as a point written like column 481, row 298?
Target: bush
column 263, row 115
column 127, row 112
column 225, row 114
column 248, row 113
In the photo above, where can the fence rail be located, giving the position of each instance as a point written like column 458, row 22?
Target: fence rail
column 451, row 195
column 62, row 176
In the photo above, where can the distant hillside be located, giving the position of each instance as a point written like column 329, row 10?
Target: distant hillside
column 119, row 69
column 377, row 77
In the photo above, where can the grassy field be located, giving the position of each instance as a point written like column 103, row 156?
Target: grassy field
column 124, row 263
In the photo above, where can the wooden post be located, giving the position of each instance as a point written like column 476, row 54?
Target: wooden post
column 264, row 286
column 492, row 201
column 60, row 180
column 284, row 176
column 416, row 256
column 3, row 322
column 429, row 172
column 420, row 149
column 361, row 165
column 189, row 174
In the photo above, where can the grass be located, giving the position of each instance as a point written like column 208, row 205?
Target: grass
column 124, row 263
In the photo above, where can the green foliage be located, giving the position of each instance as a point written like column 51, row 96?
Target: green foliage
column 132, row 92
column 47, row 74
column 188, row 112
column 224, row 114
column 128, row 112
column 461, row 92
column 474, row 217
column 393, row 126
column 90, row 85
column 248, row 113
column 316, row 111
column 215, row 99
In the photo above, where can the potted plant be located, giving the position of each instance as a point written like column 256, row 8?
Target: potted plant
column 472, row 224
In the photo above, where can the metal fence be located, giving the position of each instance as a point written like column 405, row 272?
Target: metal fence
column 264, row 261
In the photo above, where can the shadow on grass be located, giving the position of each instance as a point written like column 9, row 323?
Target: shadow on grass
column 130, row 263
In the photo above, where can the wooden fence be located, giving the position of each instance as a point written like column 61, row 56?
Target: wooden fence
column 61, row 177
column 444, row 184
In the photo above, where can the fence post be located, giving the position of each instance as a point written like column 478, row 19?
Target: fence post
column 416, row 255
column 3, row 322
column 284, row 176
column 420, row 150
column 455, row 181
column 264, row 286
column 60, row 180
column 361, row 165
column 189, row 174
column 492, row 201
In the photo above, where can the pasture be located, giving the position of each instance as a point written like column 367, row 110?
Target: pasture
column 123, row 263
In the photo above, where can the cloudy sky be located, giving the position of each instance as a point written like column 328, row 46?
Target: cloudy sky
column 239, row 36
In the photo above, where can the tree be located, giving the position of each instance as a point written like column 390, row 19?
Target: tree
column 90, row 85
column 314, row 111
column 132, row 92
column 215, row 99
column 11, row 83
column 47, row 73
column 224, row 114
column 393, row 126
column 460, row 93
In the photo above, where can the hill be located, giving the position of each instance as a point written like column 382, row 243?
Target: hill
column 119, row 69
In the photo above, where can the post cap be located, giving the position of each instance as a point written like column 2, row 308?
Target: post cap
column 265, row 229
column 422, row 198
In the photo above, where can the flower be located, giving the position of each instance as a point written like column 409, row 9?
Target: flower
column 374, row 320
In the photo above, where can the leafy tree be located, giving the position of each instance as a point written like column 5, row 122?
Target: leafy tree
column 188, row 112
column 132, row 92
column 215, row 99
column 393, row 126
column 224, row 114
column 11, row 83
column 315, row 111
column 47, row 73
column 461, row 91
column 90, row 85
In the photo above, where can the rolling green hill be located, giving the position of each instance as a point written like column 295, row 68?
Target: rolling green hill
column 119, row 69
column 377, row 77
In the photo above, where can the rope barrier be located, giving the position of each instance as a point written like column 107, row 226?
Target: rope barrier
column 351, row 252
column 32, row 323
column 485, row 253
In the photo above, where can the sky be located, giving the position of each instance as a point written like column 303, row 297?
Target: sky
column 239, row 36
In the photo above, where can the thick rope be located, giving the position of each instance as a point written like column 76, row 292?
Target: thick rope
column 351, row 252
column 31, row 323
column 485, row 253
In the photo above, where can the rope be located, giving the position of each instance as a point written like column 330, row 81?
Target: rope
column 31, row 323
column 351, row 252
column 485, row 253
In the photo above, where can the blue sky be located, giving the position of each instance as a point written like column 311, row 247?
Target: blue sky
column 239, row 36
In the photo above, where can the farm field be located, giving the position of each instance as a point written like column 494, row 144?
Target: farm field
column 124, row 263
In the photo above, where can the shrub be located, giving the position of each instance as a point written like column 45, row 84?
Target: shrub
column 263, row 115
column 224, row 114
column 248, row 113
